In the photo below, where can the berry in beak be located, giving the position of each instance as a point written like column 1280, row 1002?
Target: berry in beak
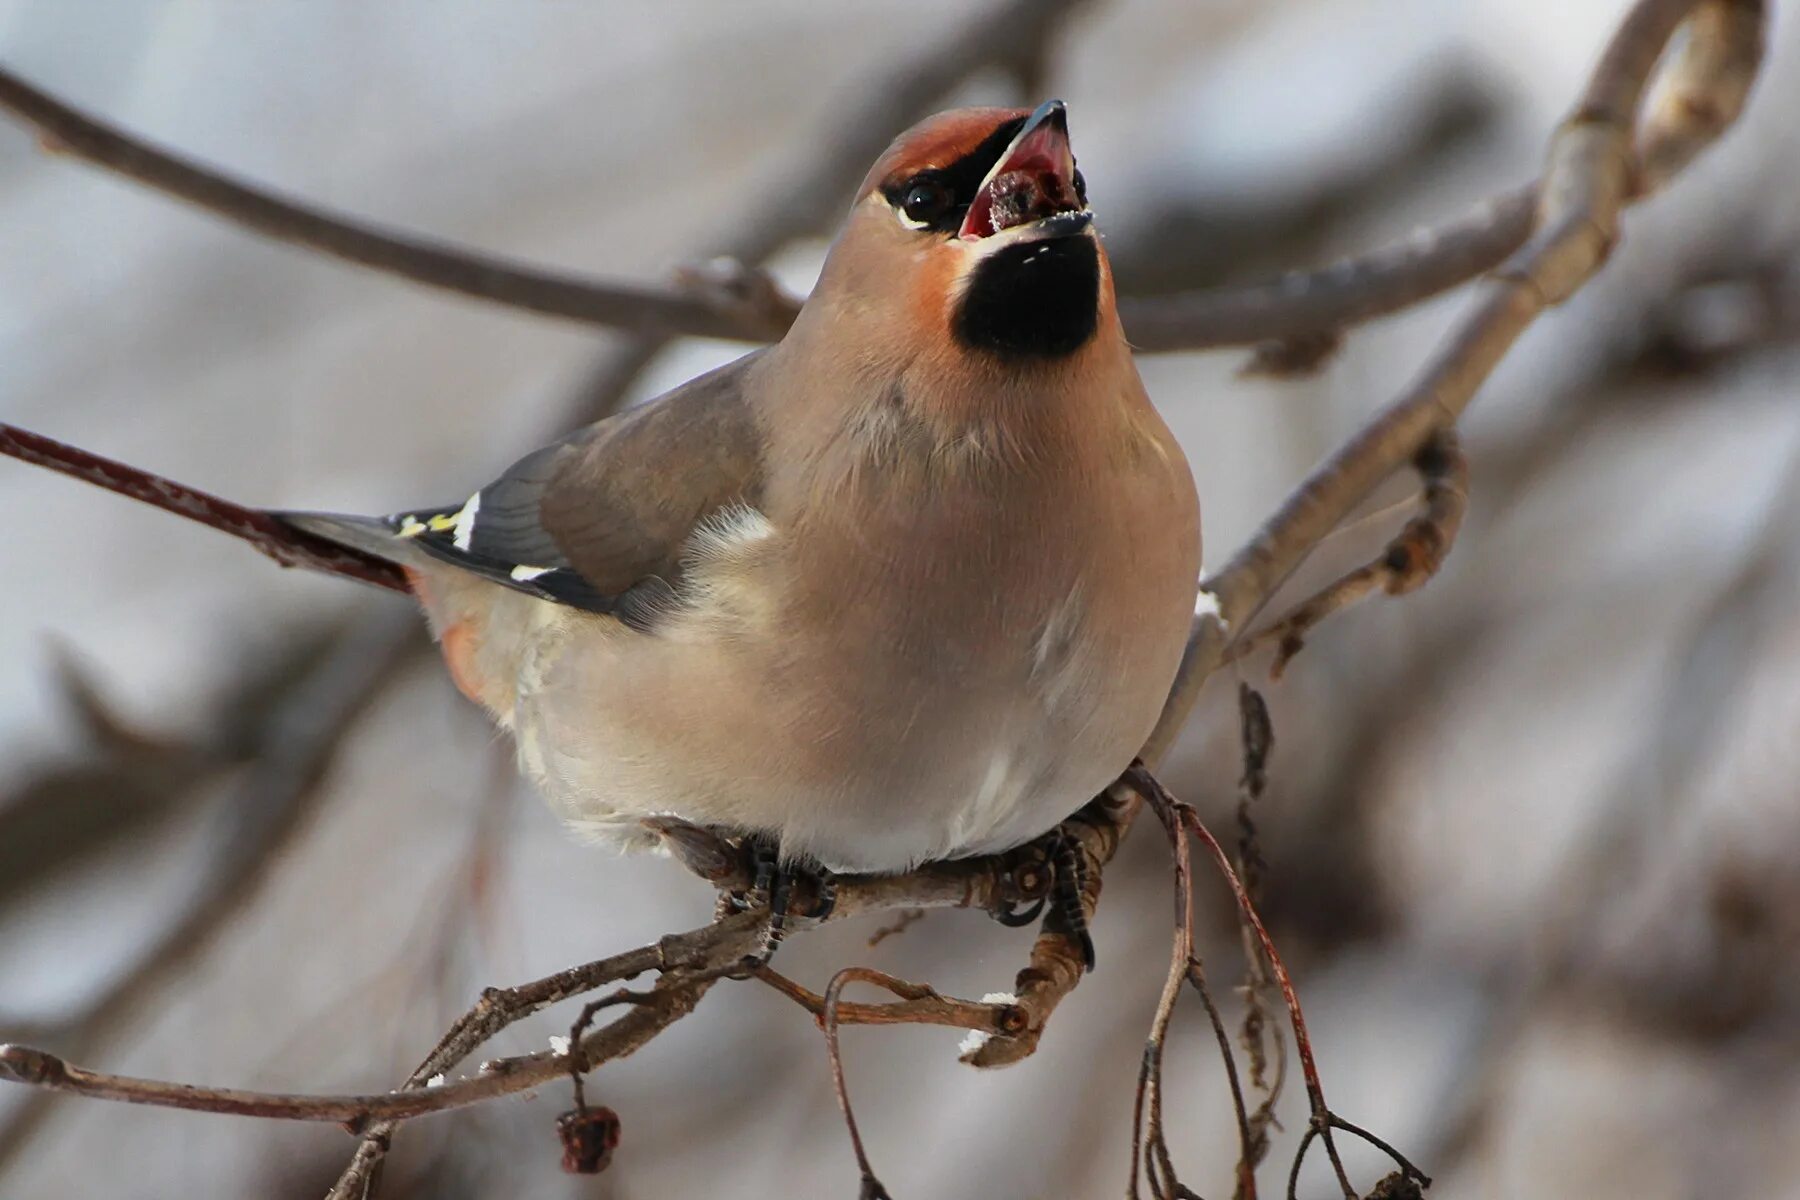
column 1034, row 179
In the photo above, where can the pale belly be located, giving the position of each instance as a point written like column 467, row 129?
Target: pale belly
column 866, row 752
column 985, row 775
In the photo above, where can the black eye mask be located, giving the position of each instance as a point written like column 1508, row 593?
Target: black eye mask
column 952, row 189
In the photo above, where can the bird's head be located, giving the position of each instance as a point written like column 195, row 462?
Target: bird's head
column 972, row 234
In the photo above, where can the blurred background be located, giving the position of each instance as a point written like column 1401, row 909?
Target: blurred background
column 1533, row 839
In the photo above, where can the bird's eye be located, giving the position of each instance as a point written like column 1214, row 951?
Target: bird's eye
column 925, row 201
column 1080, row 187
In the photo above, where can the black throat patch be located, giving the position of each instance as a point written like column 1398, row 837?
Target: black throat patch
column 1036, row 299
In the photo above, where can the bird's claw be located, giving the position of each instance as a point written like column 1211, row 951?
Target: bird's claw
column 1051, row 875
column 1068, row 888
column 775, row 883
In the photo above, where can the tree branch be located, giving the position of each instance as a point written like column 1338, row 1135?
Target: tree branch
column 1294, row 306
column 1589, row 179
column 689, row 963
column 287, row 546
column 433, row 263
column 920, row 1004
column 1304, row 303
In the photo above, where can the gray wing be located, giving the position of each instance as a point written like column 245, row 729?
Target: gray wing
column 599, row 520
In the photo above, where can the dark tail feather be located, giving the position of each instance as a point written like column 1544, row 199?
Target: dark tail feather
column 290, row 544
column 371, row 536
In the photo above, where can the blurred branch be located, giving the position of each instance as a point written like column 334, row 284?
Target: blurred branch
column 1692, row 711
column 1306, row 304
column 265, row 810
column 1717, row 71
column 832, row 1015
column 68, row 812
column 436, row 264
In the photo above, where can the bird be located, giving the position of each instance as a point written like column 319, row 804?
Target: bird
column 911, row 584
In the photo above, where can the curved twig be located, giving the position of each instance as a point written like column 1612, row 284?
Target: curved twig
column 872, row 1188
column 501, row 1077
column 1300, row 304
column 1147, row 1121
column 1409, row 560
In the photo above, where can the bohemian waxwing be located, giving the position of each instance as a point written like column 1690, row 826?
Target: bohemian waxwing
column 912, row 584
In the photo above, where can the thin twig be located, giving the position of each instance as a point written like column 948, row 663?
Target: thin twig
column 1149, row 1142
column 871, row 1186
column 920, row 1004
column 499, row 1077
column 899, row 925
column 1176, row 815
column 1257, row 739
column 1410, row 559
column 1309, row 1070
column 289, row 547
column 1253, row 1142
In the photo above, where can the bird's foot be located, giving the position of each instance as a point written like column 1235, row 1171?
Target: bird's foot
column 791, row 888
column 1050, row 873
column 1025, row 885
column 1068, row 887
column 779, row 883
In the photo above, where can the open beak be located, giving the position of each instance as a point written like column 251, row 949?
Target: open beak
column 1034, row 180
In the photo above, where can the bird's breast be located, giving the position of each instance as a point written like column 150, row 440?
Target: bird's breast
column 938, row 653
